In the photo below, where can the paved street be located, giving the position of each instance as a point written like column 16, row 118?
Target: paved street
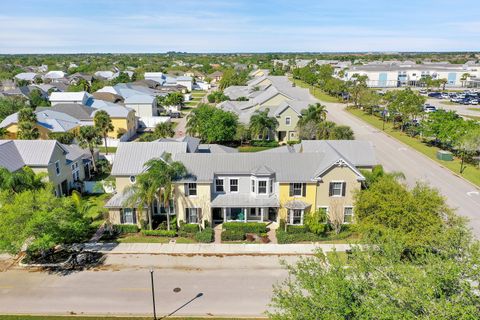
column 395, row 156
column 231, row 286
column 459, row 108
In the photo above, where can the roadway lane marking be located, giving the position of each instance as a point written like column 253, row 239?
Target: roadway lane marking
column 473, row 193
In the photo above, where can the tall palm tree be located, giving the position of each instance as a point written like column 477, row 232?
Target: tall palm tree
column 27, row 122
column 156, row 183
column 315, row 112
column 164, row 130
column 103, row 123
column 262, row 124
column 21, row 180
column 89, row 137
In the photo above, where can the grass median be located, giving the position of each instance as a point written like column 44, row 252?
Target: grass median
column 315, row 91
column 471, row 173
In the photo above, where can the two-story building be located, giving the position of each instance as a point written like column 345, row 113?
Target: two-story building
column 282, row 184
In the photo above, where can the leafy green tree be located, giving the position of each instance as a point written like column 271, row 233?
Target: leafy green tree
column 162, row 130
column 89, row 137
column 81, row 85
column 216, row 97
column 103, row 123
column 211, row 124
column 342, row 133
column 407, row 103
column 174, row 99
column 40, row 217
column 10, row 105
column 232, row 78
column 261, row 124
column 377, row 172
column 3, row 133
column 469, row 144
column 242, row 134
column 123, row 77
column 37, row 99
column 20, row 181
column 62, row 137
column 27, row 125
column 357, row 86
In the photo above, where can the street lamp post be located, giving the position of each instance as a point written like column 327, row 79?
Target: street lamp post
column 153, row 295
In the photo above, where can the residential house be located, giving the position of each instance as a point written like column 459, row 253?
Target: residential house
column 80, row 97
column 65, row 166
column 275, row 93
column 258, row 73
column 30, row 77
column 216, row 76
column 54, row 76
column 285, row 184
column 187, row 82
column 105, row 75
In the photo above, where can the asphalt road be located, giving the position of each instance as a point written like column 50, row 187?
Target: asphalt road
column 459, row 108
column 230, row 286
column 396, row 156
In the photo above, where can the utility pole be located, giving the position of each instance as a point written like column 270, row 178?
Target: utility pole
column 153, row 295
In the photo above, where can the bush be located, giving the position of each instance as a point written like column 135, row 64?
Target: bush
column 205, row 236
column 262, row 143
column 285, row 237
column 233, row 235
column 246, row 227
column 125, row 228
column 190, row 228
column 159, row 233
column 297, row 229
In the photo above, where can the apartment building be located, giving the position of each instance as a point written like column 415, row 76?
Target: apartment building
column 282, row 184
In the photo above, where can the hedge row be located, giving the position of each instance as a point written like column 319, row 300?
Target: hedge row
column 233, row 235
column 264, row 143
column 246, row 227
column 285, row 237
column 188, row 230
column 159, row 233
column 125, row 228
column 297, row 229
column 205, row 236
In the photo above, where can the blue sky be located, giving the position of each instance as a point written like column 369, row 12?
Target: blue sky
column 70, row 26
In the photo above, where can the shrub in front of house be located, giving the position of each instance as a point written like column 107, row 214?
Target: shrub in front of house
column 286, row 237
column 159, row 233
column 188, row 229
column 205, row 236
column 264, row 143
column 248, row 227
column 125, row 228
column 296, row 229
column 233, row 235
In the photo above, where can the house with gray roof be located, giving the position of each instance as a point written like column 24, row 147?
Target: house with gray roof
column 285, row 184
column 65, row 167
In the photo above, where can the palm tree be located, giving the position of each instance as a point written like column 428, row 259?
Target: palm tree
column 27, row 122
column 464, row 78
column 164, row 130
column 315, row 112
column 89, row 137
column 262, row 124
column 103, row 124
column 325, row 129
column 156, row 183
column 3, row 132
column 21, row 180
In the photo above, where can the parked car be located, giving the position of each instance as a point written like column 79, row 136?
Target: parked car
column 429, row 108
column 474, row 101
column 174, row 114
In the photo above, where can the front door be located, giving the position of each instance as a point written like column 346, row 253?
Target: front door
column 217, row 215
column 272, row 214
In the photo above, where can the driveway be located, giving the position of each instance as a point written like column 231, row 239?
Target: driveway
column 395, row 156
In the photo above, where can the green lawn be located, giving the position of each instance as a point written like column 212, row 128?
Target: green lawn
column 471, row 174
column 473, row 117
column 474, row 109
column 139, row 238
column 315, row 91
column 110, row 149
column 449, row 103
column 253, row 149
column 27, row 317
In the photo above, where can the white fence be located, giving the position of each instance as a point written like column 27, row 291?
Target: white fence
column 151, row 122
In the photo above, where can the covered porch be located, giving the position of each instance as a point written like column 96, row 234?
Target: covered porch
column 244, row 208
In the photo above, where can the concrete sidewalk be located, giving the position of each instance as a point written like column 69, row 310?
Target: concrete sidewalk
column 213, row 249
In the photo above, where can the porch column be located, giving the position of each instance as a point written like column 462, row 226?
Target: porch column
column 262, row 210
column 245, row 214
column 224, row 214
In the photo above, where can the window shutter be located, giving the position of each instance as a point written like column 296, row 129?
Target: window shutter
column 199, row 215
column 291, row 189
column 330, row 190
column 121, row 216
column 344, row 188
column 185, row 186
column 304, row 189
column 134, row 215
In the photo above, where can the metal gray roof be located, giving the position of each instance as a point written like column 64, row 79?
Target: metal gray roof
column 239, row 200
column 37, row 153
column 75, row 110
column 215, row 148
column 131, row 156
column 296, row 204
column 10, row 158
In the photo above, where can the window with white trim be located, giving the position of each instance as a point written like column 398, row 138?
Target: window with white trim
column 57, row 167
column 191, row 215
column 191, row 189
column 297, row 189
column 288, row 121
column 337, row 189
column 348, row 215
column 233, row 185
column 295, row 216
column 219, row 185
column 262, row 186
